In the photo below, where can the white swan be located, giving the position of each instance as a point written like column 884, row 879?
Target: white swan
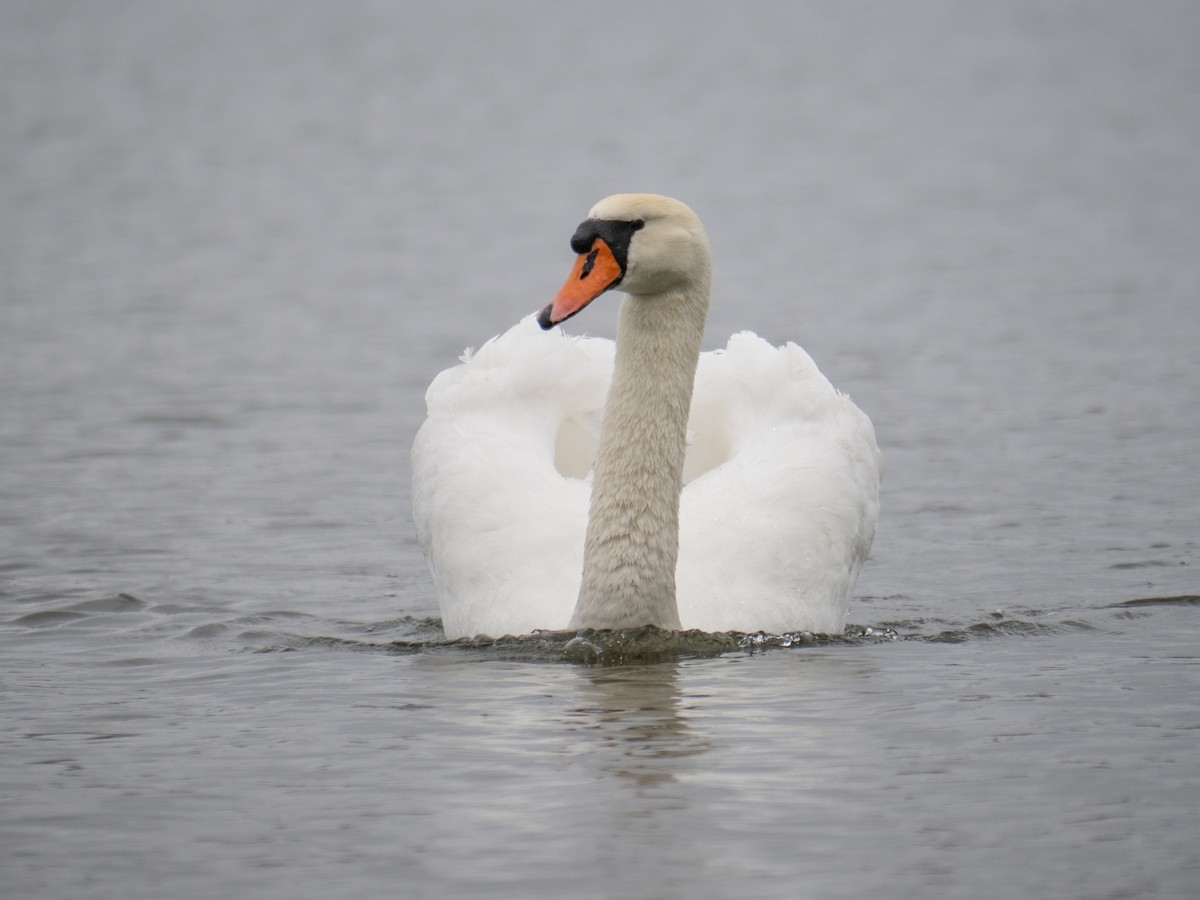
column 754, row 512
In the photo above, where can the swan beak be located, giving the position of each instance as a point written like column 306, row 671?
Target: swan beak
column 594, row 273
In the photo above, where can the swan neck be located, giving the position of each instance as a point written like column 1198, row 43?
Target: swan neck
column 632, row 543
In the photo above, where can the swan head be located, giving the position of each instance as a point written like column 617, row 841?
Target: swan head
column 645, row 243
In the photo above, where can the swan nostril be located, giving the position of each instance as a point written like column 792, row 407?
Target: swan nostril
column 588, row 264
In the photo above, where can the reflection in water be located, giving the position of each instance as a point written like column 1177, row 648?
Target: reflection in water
column 638, row 749
column 636, row 714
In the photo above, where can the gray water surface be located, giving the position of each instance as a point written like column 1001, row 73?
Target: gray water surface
column 237, row 241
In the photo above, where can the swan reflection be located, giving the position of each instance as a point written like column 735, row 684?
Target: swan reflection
column 637, row 718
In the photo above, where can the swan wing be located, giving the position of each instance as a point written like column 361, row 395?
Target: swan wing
column 500, row 523
column 782, row 494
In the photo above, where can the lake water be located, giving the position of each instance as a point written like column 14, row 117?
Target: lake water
column 239, row 240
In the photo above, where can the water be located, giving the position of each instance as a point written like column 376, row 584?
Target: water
column 238, row 240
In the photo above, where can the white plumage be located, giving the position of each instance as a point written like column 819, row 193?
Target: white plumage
column 780, row 479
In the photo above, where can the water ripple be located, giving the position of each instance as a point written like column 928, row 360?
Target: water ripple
column 131, row 623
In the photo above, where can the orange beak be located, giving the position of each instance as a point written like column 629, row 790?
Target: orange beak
column 594, row 273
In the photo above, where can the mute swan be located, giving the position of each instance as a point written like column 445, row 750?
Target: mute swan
column 754, row 512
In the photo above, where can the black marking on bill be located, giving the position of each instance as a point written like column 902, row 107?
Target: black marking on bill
column 588, row 264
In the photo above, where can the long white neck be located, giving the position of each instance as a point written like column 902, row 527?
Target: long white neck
column 633, row 526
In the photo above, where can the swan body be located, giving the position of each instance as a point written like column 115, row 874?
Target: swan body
column 566, row 482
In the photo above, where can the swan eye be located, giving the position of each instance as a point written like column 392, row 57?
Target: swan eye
column 637, row 224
